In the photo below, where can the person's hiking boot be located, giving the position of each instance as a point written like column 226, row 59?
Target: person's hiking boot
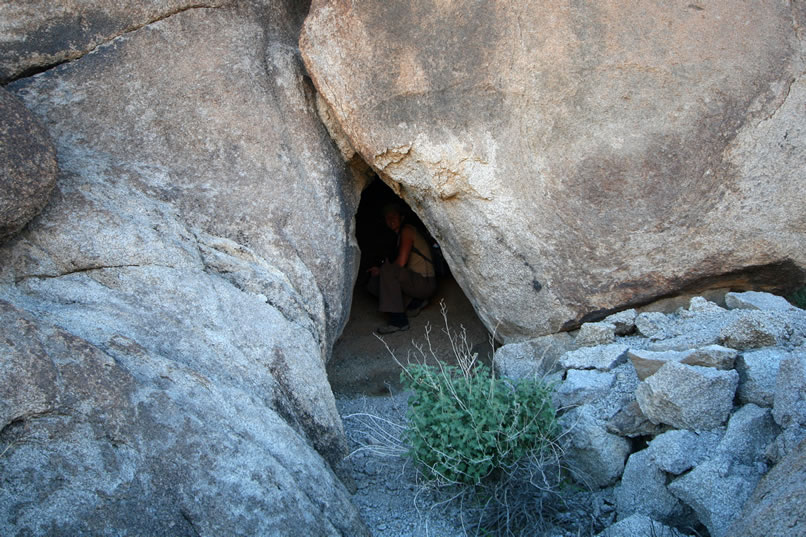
column 391, row 329
column 398, row 322
column 416, row 306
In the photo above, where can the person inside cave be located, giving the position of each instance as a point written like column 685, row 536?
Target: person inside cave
column 403, row 285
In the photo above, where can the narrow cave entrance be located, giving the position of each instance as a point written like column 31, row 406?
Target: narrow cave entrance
column 361, row 363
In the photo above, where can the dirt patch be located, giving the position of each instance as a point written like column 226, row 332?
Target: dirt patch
column 361, row 363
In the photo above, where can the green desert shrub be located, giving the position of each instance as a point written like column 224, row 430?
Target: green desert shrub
column 466, row 426
column 487, row 445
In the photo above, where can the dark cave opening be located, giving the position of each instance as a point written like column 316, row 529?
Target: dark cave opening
column 361, row 362
column 376, row 241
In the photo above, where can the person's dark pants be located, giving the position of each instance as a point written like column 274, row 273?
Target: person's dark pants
column 395, row 285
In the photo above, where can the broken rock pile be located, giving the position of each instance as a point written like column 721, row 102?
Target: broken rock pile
column 680, row 415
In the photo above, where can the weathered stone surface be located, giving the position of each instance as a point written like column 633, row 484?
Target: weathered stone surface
column 126, row 441
column 684, row 332
column 146, row 119
column 735, row 329
column 38, row 34
column 678, row 451
column 620, row 395
column 717, row 489
column 200, row 235
column 750, row 430
column 534, row 358
column 623, row 320
column 630, row 422
column 591, row 334
column 688, row 397
column 595, row 457
column 28, row 168
column 603, row 357
column 754, row 300
column 582, row 386
column 753, row 330
column 700, row 304
column 652, row 325
column 715, row 356
column 789, row 404
column 785, row 443
column 575, row 159
column 776, row 508
column 647, row 363
column 758, row 371
column 643, row 491
column 640, row 526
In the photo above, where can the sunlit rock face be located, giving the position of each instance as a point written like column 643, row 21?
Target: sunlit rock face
column 576, row 158
column 167, row 317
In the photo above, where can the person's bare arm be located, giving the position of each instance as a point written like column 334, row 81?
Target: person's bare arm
column 406, row 244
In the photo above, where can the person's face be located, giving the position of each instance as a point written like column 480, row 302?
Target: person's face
column 393, row 221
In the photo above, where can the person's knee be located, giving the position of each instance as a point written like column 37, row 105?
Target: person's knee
column 389, row 270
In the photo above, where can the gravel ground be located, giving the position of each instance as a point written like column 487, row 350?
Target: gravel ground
column 386, row 489
column 365, row 379
column 392, row 502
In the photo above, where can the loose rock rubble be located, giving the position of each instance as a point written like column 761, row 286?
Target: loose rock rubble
column 680, row 414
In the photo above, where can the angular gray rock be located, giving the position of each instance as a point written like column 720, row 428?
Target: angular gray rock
column 750, row 430
column 688, row 397
column 715, row 356
column 533, row 358
column 28, row 167
column 581, row 387
column 624, row 321
column 652, row 325
column 789, row 404
column 758, row 372
column 754, row 329
column 594, row 456
column 700, row 304
column 718, row 488
column 776, row 507
column 640, row 526
column 583, row 148
column 754, row 300
column 678, row 451
column 647, row 363
column 785, row 443
column 591, row 334
column 643, row 491
column 630, row 422
column 603, row 357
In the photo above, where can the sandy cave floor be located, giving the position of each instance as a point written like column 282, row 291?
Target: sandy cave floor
column 362, row 365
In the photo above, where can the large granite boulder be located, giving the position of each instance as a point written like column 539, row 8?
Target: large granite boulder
column 28, row 167
column 169, row 314
column 121, row 441
column 572, row 158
